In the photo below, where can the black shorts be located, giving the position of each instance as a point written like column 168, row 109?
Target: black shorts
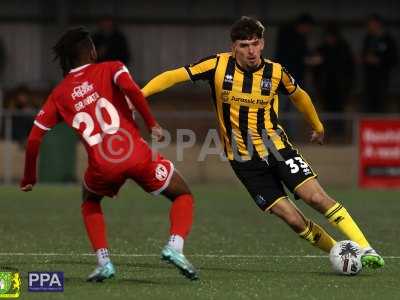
column 263, row 178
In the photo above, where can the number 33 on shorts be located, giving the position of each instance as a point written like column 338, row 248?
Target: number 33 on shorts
column 297, row 163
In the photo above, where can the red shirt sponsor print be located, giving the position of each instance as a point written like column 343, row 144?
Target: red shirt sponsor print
column 90, row 101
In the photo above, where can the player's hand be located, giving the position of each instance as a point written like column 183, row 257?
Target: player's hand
column 27, row 188
column 317, row 137
column 157, row 133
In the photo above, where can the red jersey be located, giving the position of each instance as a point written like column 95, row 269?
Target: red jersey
column 96, row 100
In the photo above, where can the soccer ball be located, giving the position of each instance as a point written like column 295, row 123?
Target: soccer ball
column 345, row 257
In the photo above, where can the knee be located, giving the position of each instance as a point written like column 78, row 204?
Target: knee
column 89, row 207
column 91, row 199
column 185, row 200
column 187, row 196
column 88, row 196
column 173, row 195
column 316, row 198
column 177, row 187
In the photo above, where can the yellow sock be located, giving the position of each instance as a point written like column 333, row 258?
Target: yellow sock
column 317, row 236
column 338, row 216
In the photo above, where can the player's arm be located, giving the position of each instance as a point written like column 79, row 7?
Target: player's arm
column 165, row 80
column 31, row 155
column 201, row 70
column 303, row 103
column 124, row 81
column 44, row 121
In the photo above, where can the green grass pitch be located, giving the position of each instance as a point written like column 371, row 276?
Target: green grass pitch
column 241, row 253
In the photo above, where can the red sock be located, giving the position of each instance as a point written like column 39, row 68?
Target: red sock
column 181, row 215
column 94, row 223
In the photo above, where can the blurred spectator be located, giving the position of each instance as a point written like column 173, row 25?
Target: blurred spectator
column 292, row 46
column 110, row 42
column 2, row 67
column 21, row 104
column 292, row 51
column 379, row 56
column 2, row 60
column 334, row 70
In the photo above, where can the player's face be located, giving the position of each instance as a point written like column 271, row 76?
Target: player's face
column 248, row 52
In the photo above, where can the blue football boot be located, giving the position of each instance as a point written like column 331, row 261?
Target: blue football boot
column 179, row 260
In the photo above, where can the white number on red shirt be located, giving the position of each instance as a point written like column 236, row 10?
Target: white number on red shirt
column 107, row 128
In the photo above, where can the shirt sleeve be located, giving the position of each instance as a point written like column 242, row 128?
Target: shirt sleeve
column 124, row 81
column 46, row 119
column 288, row 84
column 48, row 116
column 165, row 80
column 304, row 104
column 117, row 69
column 203, row 69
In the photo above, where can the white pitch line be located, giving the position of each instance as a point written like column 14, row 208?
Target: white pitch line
column 156, row 255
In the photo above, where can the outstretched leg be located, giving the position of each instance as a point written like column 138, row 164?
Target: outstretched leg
column 314, row 195
column 181, row 219
column 307, row 229
column 93, row 219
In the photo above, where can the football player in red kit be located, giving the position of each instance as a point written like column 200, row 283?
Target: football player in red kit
column 96, row 100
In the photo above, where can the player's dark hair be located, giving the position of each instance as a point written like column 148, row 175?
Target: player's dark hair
column 247, row 28
column 71, row 46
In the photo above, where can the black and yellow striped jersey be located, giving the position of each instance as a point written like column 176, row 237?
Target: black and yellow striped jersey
column 246, row 103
